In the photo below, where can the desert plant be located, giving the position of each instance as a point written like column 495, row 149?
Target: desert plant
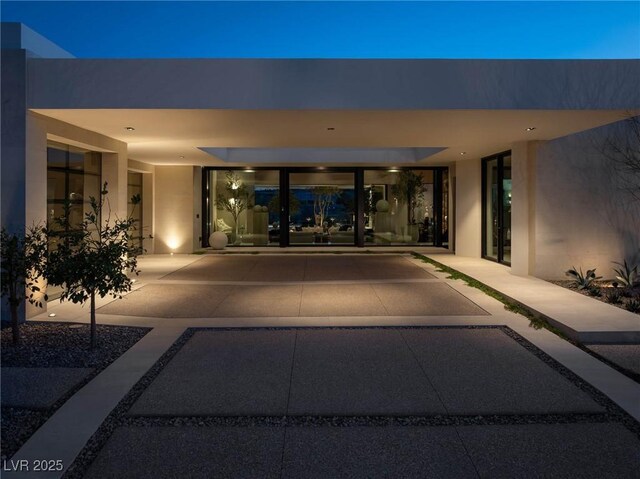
column 93, row 258
column 582, row 280
column 626, row 275
column 633, row 305
column 235, row 199
column 409, row 189
column 23, row 261
column 613, row 296
column 594, row 291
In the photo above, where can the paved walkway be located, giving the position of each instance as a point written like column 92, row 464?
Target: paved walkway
column 486, row 365
column 580, row 317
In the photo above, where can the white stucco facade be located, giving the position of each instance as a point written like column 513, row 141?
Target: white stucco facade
column 567, row 207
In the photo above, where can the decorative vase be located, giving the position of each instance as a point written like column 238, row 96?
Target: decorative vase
column 218, row 240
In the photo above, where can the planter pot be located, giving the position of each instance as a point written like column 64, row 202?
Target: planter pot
column 414, row 232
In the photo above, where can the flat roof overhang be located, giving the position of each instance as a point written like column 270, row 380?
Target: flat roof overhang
column 220, row 137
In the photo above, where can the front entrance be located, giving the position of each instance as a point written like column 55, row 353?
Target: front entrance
column 324, row 206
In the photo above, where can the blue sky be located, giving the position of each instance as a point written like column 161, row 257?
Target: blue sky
column 478, row 29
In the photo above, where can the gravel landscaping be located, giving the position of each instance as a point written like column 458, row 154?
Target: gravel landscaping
column 602, row 291
column 56, row 345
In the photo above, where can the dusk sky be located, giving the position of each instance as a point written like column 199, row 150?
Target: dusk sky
column 336, row 29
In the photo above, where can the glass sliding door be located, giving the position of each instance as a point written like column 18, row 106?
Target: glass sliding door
column 496, row 208
column 400, row 207
column 245, row 205
column 322, row 208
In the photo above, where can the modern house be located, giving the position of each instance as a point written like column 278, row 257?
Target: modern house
column 511, row 154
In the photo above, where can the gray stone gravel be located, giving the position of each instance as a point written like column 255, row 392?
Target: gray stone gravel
column 56, row 345
column 38, row 388
column 66, row 345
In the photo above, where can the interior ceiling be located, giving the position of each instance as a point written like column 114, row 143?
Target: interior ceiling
column 174, row 137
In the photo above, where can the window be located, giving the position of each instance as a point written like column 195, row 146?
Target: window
column 73, row 176
column 496, row 208
column 134, row 187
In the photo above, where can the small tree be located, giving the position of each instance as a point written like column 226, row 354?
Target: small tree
column 235, row 199
column 323, row 198
column 94, row 258
column 409, row 189
column 23, row 262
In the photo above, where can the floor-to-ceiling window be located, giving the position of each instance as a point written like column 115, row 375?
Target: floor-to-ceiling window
column 134, row 188
column 400, row 207
column 73, row 176
column 322, row 208
column 327, row 206
column 244, row 204
column 496, row 207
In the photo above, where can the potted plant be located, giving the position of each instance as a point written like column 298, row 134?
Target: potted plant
column 409, row 189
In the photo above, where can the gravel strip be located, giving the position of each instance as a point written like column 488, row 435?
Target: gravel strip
column 66, row 345
column 56, row 345
column 118, row 416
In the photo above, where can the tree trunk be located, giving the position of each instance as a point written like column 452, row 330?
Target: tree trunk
column 15, row 326
column 92, row 343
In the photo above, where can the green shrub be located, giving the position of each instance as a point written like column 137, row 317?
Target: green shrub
column 626, row 275
column 613, row 296
column 583, row 280
column 633, row 306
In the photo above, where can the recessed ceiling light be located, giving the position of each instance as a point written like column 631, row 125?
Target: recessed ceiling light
column 129, row 128
column 463, row 153
column 182, row 157
column 331, row 128
column 52, row 315
column 393, row 170
column 531, row 128
column 249, row 170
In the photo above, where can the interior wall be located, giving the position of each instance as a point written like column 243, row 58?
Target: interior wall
column 174, row 209
column 584, row 217
column 468, row 222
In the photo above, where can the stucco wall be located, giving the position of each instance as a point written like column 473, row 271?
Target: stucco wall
column 174, row 209
column 468, row 208
column 583, row 217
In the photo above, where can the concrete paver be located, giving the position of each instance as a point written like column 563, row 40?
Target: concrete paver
column 553, row 450
column 624, row 355
column 483, row 371
column 365, row 452
column 224, row 373
column 424, row 299
column 358, row 372
column 194, row 452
